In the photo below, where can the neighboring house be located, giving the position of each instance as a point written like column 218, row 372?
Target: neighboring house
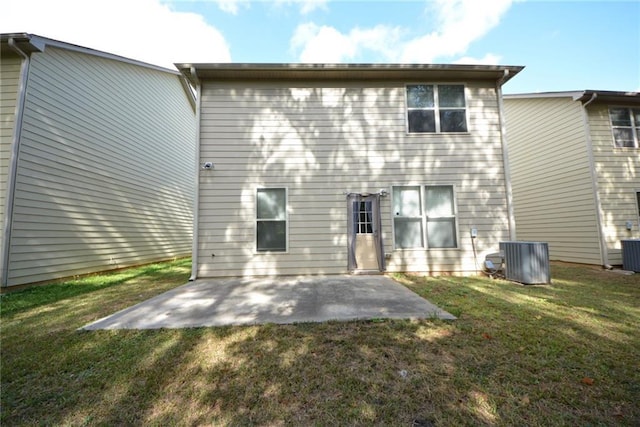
column 575, row 169
column 328, row 169
column 98, row 153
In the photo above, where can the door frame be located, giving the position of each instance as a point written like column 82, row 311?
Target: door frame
column 376, row 223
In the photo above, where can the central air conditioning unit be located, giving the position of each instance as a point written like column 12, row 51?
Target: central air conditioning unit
column 631, row 255
column 526, row 262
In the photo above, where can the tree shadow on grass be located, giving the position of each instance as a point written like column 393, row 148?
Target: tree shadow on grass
column 505, row 361
column 37, row 296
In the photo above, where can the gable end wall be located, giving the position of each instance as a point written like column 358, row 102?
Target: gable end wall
column 553, row 189
column 105, row 168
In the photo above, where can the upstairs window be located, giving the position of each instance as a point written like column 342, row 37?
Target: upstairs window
column 436, row 109
column 625, row 124
column 271, row 220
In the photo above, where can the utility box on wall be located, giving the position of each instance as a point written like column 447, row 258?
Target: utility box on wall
column 526, row 262
column 631, row 255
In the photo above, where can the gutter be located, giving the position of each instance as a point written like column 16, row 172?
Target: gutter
column 13, row 162
column 505, row 158
column 196, row 199
column 604, row 254
column 593, row 98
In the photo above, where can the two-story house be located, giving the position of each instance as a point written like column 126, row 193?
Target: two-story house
column 326, row 169
column 97, row 159
column 575, row 168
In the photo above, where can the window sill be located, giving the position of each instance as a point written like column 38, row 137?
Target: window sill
column 437, row 133
column 424, row 249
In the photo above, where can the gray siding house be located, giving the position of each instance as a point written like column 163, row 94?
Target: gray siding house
column 575, row 169
column 97, row 159
column 330, row 169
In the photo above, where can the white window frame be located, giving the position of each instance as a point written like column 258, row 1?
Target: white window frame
column 634, row 126
column 436, row 109
column 424, row 216
column 256, row 220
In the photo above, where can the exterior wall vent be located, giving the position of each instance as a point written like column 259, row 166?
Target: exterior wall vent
column 526, row 262
column 631, row 255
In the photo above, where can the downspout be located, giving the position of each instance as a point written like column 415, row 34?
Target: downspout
column 604, row 254
column 196, row 199
column 13, row 163
column 505, row 158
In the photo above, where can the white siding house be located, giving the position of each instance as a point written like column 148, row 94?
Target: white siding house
column 98, row 153
column 575, row 167
column 329, row 169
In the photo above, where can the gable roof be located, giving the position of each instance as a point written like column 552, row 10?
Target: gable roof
column 30, row 43
column 255, row 71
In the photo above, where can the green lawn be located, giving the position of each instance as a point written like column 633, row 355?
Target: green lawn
column 561, row 354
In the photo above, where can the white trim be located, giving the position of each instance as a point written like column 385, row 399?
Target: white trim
column 436, row 108
column 423, row 216
column 101, row 54
column 569, row 94
column 604, row 254
column 256, row 219
column 5, row 245
column 511, row 215
column 634, row 127
column 196, row 199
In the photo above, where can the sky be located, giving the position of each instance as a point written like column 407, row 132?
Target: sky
column 564, row 45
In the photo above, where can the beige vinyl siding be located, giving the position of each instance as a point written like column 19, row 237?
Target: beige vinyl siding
column 320, row 140
column 9, row 82
column 618, row 175
column 553, row 193
column 106, row 163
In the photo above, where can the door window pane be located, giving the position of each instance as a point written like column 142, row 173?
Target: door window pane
column 363, row 217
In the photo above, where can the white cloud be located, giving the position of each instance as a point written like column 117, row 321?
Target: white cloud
column 229, row 6
column 458, row 24
column 326, row 44
column 144, row 30
column 306, row 6
column 488, row 59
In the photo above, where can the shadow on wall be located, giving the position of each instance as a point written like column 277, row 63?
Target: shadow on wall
column 320, row 142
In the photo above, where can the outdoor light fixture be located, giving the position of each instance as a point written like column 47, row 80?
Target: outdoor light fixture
column 207, row 165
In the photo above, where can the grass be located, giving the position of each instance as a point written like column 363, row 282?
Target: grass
column 562, row 354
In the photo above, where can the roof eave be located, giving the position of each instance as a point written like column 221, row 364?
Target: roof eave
column 585, row 96
column 254, row 71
